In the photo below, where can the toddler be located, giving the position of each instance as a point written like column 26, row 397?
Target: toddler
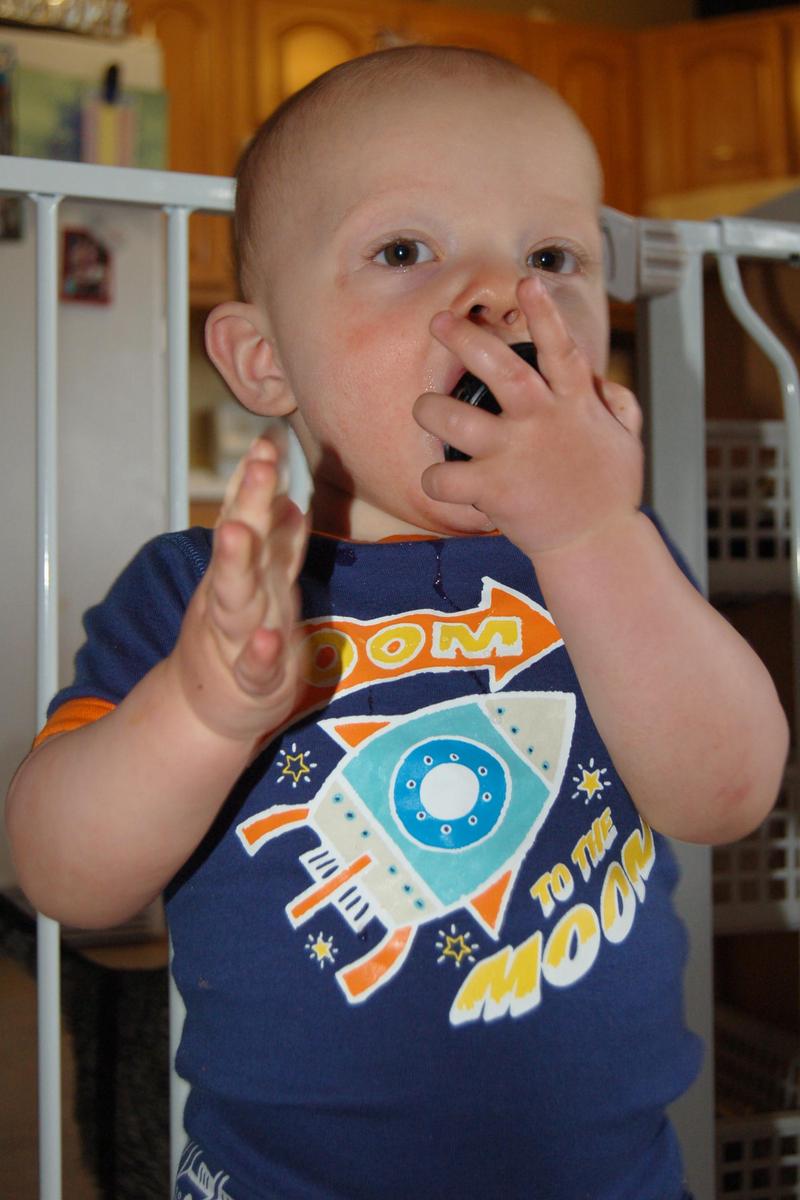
column 405, row 781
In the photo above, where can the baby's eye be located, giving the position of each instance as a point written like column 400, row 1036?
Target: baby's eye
column 557, row 260
column 404, row 252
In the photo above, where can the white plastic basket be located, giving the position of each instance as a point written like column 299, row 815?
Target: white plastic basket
column 757, row 1065
column 747, row 492
column 758, row 1158
column 756, row 882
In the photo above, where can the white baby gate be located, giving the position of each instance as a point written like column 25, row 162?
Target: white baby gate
column 177, row 195
column 658, row 263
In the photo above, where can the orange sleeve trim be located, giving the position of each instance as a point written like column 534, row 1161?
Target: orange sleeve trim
column 72, row 715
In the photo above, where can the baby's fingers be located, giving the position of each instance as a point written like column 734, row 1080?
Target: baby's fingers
column 252, row 503
column 262, row 447
column 255, row 482
column 261, row 666
column 284, row 547
column 488, row 357
column 235, row 602
column 296, row 526
column 560, row 360
column 281, row 563
column 622, row 404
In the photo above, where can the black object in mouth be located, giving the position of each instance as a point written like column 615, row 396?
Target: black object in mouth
column 474, row 391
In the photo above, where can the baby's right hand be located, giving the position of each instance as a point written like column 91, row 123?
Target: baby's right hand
column 236, row 656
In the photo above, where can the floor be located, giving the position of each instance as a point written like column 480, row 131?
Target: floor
column 18, row 1117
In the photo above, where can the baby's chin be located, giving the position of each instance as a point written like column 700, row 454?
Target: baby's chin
column 447, row 520
column 369, row 518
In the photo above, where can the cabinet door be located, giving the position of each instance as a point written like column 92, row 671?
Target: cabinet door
column 791, row 30
column 295, row 42
column 206, row 97
column 445, row 25
column 593, row 68
column 713, row 104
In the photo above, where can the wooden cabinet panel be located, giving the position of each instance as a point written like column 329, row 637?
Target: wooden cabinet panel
column 713, row 104
column 593, row 68
column 671, row 109
column 207, row 97
column 296, row 42
column 500, row 33
column 188, row 33
column 790, row 27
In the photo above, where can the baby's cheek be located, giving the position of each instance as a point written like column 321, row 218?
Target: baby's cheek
column 358, row 338
column 357, row 327
column 379, row 334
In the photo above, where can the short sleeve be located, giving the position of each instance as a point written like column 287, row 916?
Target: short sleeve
column 134, row 627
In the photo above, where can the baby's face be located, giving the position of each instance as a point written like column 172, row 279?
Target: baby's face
column 443, row 198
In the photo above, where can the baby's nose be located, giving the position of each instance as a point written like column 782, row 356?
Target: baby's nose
column 488, row 294
column 482, row 314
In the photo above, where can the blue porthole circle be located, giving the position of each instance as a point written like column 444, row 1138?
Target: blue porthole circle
column 448, row 793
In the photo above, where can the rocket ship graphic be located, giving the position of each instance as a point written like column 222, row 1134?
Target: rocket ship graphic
column 425, row 814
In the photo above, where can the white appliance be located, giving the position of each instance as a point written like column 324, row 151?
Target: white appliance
column 112, row 425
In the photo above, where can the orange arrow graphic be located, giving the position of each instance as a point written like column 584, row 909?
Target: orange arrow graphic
column 505, row 633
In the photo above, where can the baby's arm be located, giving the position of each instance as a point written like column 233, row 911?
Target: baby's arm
column 688, row 712
column 101, row 818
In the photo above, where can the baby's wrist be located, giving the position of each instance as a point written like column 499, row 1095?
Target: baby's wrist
column 619, row 534
column 207, row 715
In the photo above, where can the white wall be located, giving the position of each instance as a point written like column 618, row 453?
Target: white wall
column 112, row 448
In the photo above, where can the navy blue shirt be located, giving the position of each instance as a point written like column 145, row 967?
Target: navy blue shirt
column 428, row 949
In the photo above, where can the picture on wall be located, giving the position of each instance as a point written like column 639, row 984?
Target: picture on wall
column 85, row 268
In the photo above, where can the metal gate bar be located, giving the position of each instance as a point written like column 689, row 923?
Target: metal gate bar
column 47, row 183
column 48, row 992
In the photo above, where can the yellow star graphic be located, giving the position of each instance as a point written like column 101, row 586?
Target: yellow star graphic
column 295, row 766
column 590, row 783
column 321, row 949
column 455, row 947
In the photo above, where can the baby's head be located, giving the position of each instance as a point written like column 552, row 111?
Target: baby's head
column 397, row 185
column 273, row 170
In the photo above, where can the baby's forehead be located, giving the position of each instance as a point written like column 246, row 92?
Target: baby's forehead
column 408, row 115
column 417, row 100
column 335, row 134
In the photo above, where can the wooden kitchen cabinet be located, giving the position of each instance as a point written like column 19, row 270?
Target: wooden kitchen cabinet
column 593, row 68
column 202, row 43
column 500, row 33
column 713, row 104
column 790, row 28
column 296, row 41
column 671, row 109
column 293, row 43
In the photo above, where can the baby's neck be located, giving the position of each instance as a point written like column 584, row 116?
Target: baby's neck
column 358, row 521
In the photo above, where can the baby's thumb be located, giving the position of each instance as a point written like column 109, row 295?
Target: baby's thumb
column 622, row 404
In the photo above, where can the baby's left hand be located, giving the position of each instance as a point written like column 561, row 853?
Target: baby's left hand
column 562, row 460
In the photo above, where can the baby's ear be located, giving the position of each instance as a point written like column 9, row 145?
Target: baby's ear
column 238, row 344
